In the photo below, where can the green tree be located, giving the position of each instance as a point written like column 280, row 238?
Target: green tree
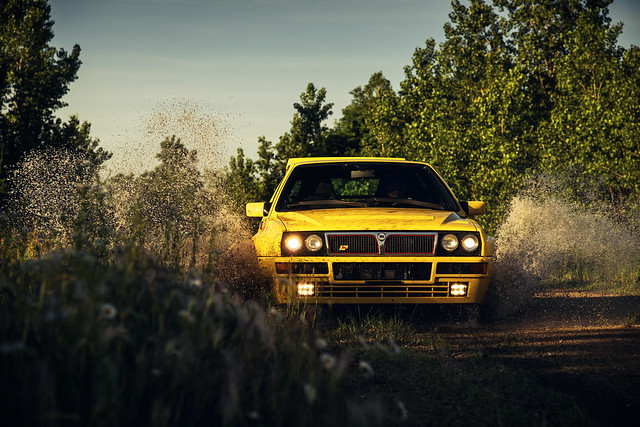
column 307, row 134
column 34, row 77
column 240, row 182
column 594, row 126
column 307, row 137
column 166, row 216
column 463, row 105
column 355, row 131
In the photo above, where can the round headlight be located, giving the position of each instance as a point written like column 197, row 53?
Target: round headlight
column 450, row 242
column 470, row 243
column 293, row 243
column 313, row 242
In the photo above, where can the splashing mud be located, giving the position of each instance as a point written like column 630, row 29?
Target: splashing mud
column 199, row 126
column 178, row 210
column 47, row 185
column 549, row 241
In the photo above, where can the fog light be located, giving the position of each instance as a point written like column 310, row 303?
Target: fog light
column 458, row 289
column 305, row 289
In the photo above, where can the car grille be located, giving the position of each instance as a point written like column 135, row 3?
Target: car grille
column 381, row 271
column 353, row 244
column 400, row 244
column 381, row 290
column 381, row 243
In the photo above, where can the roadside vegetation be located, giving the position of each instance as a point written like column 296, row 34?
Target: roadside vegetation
column 133, row 299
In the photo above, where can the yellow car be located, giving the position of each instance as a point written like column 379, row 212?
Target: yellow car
column 360, row 230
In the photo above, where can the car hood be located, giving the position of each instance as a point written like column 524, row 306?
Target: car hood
column 375, row 219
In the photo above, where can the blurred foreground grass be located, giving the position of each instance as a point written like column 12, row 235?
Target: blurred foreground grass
column 128, row 305
column 128, row 342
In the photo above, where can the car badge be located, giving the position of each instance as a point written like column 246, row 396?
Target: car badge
column 344, row 248
column 381, row 236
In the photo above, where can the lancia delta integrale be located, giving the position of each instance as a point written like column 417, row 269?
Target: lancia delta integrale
column 370, row 230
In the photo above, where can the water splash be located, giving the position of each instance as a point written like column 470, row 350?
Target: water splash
column 178, row 210
column 46, row 186
column 199, row 126
column 551, row 240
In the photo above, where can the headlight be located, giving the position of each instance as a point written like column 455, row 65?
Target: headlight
column 449, row 242
column 470, row 243
column 293, row 243
column 313, row 242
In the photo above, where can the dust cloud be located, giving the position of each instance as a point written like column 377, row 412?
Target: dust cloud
column 550, row 240
column 182, row 215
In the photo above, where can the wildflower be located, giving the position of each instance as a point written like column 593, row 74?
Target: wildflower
column 381, row 347
column 274, row 312
column 363, row 343
column 54, row 315
column 366, row 368
column 108, row 311
column 394, row 346
column 327, row 361
column 186, row 315
column 12, row 347
column 404, row 414
column 321, row 343
column 197, row 282
column 310, row 392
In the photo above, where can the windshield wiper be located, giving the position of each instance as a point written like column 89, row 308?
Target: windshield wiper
column 410, row 202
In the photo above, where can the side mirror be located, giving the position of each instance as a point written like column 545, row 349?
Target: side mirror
column 473, row 208
column 258, row 209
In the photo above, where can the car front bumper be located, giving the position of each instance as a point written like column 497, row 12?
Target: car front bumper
column 376, row 280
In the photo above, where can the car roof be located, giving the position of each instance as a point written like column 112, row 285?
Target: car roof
column 307, row 160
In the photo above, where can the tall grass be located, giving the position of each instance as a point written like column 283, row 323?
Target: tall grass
column 126, row 342
column 131, row 301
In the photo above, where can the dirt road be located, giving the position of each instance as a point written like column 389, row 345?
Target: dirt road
column 581, row 344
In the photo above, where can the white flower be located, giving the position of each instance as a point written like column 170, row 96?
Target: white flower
column 366, row 368
column 321, row 343
column 12, row 347
column 327, row 361
column 404, row 414
column 310, row 392
column 394, row 346
column 186, row 315
column 108, row 311
column 363, row 343
column 274, row 312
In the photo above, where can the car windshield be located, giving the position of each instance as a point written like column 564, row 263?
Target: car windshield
column 365, row 184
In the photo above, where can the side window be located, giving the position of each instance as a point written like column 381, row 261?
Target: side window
column 295, row 191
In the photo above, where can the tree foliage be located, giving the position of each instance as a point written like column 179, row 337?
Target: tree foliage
column 34, row 77
column 516, row 88
column 247, row 180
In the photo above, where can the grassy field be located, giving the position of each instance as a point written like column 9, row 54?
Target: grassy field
column 90, row 340
column 136, row 307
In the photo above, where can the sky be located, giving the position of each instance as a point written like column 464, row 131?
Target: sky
column 221, row 73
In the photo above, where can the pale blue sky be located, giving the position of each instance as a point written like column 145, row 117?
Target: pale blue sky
column 148, row 64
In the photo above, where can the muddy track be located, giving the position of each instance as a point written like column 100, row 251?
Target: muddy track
column 584, row 345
